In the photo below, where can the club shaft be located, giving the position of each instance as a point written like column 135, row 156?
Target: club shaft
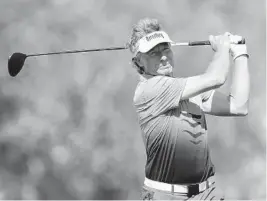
column 193, row 43
column 77, row 51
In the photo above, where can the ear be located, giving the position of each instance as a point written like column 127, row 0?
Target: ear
column 136, row 61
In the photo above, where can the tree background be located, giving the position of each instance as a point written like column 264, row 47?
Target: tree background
column 68, row 128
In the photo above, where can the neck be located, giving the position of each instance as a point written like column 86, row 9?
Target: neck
column 147, row 75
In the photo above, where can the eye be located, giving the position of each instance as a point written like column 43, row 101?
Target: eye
column 153, row 53
column 166, row 49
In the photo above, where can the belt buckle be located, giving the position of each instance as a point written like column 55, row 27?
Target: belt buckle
column 193, row 190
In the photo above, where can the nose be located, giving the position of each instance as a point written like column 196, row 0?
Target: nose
column 163, row 60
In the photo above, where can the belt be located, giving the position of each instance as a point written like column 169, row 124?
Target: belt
column 191, row 189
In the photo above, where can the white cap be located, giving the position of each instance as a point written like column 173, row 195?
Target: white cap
column 151, row 40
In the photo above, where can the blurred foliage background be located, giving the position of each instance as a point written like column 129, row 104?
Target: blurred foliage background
column 68, row 128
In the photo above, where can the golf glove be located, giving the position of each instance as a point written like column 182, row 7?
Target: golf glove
column 237, row 50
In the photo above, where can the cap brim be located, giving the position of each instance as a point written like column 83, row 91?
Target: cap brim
column 146, row 48
column 151, row 40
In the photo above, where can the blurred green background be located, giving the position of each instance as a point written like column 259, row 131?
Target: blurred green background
column 68, row 128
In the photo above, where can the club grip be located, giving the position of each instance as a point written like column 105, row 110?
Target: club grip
column 206, row 42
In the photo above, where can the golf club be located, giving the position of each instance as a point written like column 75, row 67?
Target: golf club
column 17, row 59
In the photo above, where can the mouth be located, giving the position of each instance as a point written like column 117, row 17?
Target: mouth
column 165, row 70
column 168, row 66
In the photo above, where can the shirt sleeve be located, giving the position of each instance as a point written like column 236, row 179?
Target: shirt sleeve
column 165, row 94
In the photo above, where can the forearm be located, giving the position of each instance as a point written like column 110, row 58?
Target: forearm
column 220, row 65
column 240, row 87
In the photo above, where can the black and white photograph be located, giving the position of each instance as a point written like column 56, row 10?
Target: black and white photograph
column 133, row 100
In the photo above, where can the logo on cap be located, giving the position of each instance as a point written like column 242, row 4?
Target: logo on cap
column 154, row 36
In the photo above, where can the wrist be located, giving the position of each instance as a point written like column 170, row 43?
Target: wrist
column 222, row 51
column 242, row 57
column 241, row 60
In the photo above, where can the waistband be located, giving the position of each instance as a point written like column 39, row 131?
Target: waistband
column 177, row 188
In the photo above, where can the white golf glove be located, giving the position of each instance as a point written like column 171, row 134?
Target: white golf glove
column 237, row 50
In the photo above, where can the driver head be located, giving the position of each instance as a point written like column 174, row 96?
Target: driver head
column 15, row 63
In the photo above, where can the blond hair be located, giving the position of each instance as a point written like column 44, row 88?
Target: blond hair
column 142, row 28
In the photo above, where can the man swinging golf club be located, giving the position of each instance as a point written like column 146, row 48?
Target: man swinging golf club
column 171, row 111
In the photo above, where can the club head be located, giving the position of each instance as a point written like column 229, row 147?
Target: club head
column 15, row 63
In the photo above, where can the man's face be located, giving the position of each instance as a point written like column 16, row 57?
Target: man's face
column 159, row 60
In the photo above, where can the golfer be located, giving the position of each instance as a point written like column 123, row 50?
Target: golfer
column 171, row 111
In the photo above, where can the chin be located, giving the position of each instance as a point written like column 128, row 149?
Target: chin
column 166, row 72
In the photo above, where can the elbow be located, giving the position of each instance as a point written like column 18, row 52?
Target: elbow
column 218, row 81
column 241, row 110
column 215, row 81
column 221, row 80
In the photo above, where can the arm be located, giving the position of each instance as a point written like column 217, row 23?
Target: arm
column 216, row 73
column 240, row 86
column 235, row 104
